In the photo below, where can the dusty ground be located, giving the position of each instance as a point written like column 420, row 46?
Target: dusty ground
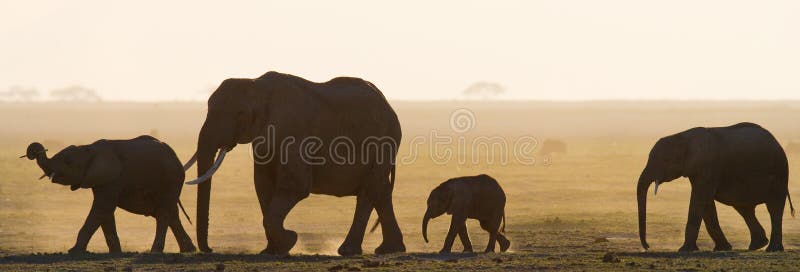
column 573, row 211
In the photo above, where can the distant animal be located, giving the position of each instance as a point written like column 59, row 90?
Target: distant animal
column 551, row 146
column 740, row 165
column 477, row 197
column 140, row 175
column 277, row 108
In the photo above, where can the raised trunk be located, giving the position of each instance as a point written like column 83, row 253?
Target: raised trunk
column 641, row 198
column 206, row 150
column 43, row 161
column 425, row 225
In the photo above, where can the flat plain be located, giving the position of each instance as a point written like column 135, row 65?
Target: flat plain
column 573, row 211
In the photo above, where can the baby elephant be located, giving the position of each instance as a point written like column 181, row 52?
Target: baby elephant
column 478, row 197
column 141, row 175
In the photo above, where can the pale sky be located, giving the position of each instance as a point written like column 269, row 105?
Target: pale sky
column 562, row 50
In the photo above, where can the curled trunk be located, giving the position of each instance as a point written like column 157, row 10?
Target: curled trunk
column 43, row 163
column 641, row 198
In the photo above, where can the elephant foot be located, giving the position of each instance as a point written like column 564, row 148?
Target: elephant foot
column 346, row 249
column 205, row 249
column 444, row 251
column 756, row 244
column 688, row 248
column 77, row 251
column 188, row 249
column 723, row 247
column 775, row 248
column 467, row 250
column 504, row 245
column 281, row 245
column 389, row 248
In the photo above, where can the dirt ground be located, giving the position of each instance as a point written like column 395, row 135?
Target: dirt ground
column 573, row 211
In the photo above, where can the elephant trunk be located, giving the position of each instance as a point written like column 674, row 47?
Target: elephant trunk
column 205, row 156
column 44, row 164
column 36, row 151
column 641, row 198
column 425, row 225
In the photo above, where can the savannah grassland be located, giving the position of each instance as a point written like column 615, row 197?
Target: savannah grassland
column 575, row 212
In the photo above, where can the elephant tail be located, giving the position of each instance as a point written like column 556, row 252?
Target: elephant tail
column 791, row 207
column 391, row 188
column 184, row 212
column 503, row 229
column 375, row 226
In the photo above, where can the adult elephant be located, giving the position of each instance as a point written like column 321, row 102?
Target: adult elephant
column 740, row 165
column 335, row 138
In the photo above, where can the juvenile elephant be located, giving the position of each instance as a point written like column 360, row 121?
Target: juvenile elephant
column 740, row 165
column 477, row 197
column 141, row 175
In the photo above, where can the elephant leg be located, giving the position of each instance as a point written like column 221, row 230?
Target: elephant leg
column 456, row 223
column 503, row 241
column 264, row 184
column 775, row 209
column 758, row 238
column 501, row 238
column 702, row 193
column 280, row 239
column 491, row 226
column 392, row 237
column 183, row 239
column 102, row 209
column 163, row 219
column 464, row 236
column 352, row 244
column 109, row 227
column 712, row 226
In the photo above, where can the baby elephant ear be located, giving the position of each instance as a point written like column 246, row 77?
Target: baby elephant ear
column 103, row 166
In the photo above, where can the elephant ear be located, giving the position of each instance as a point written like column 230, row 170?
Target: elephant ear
column 449, row 197
column 104, row 165
column 700, row 151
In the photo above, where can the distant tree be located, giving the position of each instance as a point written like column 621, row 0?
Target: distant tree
column 483, row 90
column 19, row 94
column 75, row 93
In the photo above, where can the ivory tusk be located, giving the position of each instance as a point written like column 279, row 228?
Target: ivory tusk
column 190, row 162
column 655, row 191
column 211, row 170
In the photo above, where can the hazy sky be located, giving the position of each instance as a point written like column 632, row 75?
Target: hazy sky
column 574, row 50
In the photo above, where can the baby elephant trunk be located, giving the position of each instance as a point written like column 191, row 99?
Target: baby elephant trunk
column 641, row 199
column 425, row 225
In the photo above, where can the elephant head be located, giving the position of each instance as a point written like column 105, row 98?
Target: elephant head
column 78, row 166
column 36, row 151
column 667, row 161
column 235, row 111
column 438, row 203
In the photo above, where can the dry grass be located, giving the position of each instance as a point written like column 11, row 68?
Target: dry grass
column 555, row 212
